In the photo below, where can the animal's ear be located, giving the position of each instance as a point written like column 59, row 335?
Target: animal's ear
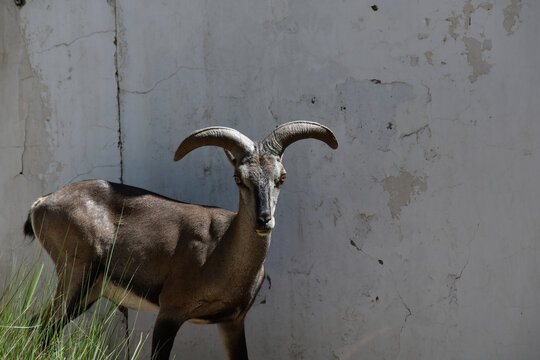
column 231, row 157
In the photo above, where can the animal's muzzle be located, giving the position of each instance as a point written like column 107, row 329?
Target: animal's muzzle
column 264, row 214
column 264, row 221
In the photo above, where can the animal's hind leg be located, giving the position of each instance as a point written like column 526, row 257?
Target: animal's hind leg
column 77, row 289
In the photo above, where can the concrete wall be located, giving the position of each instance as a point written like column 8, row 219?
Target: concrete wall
column 416, row 239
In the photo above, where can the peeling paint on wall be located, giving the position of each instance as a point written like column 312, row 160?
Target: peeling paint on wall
column 511, row 16
column 454, row 22
column 401, row 188
column 362, row 228
column 475, row 48
column 429, row 57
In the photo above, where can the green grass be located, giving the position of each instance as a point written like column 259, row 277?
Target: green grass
column 97, row 334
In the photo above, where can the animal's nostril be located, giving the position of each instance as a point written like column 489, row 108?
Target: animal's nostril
column 264, row 219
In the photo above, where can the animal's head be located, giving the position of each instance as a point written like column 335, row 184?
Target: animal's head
column 258, row 170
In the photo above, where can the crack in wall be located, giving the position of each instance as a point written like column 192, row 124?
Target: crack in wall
column 359, row 249
column 452, row 294
column 89, row 172
column 118, row 102
column 379, row 82
column 415, row 132
column 68, row 44
column 157, row 83
column 25, row 143
column 117, row 48
column 35, row 112
column 407, row 316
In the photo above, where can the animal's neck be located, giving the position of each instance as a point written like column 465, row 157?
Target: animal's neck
column 248, row 249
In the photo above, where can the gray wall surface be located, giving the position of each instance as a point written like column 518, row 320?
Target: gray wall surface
column 416, row 239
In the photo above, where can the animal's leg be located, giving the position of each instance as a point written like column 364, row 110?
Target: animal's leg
column 165, row 329
column 234, row 339
column 76, row 291
column 125, row 313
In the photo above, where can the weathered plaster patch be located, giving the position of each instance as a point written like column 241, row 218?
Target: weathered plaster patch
column 369, row 108
column 401, row 188
column 454, row 22
column 24, row 156
column 474, row 47
column 474, row 57
column 486, row 6
column 429, row 57
column 362, row 226
column 466, row 16
column 361, row 230
column 511, row 15
column 468, row 10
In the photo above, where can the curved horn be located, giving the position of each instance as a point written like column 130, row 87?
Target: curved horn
column 234, row 141
column 286, row 134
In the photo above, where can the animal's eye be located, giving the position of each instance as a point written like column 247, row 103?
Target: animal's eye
column 282, row 178
column 237, row 179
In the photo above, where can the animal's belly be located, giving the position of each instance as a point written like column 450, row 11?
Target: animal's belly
column 226, row 313
column 220, row 311
column 127, row 298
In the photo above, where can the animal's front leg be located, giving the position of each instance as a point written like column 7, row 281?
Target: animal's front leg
column 234, row 339
column 165, row 329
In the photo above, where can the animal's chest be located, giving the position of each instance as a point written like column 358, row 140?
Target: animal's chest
column 229, row 302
